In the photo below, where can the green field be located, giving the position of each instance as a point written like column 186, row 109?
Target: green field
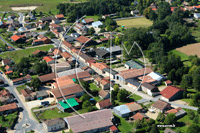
column 95, row 17
column 9, row 120
column 184, row 57
column 123, row 126
column 94, row 87
column 48, row 5
column 135, row 22
column 18, row 54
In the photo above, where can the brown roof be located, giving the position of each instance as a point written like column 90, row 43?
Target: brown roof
column 133, row 106
column 8, row 107
column 105, row 103
column 60, row 16
column 38, row 51
column 7, row 67
column 160, row 104
column 174, row 110
column 148, row 86
column 57, row 52
column 26, row 92
column 103, row 93
column 89, row 20
column 7, row 61
column 66, row 55
column 168, row 82
column 47, row 77
column 80, row 75
column 100, row 66
column 67, row 44
column 133, row 73
column 4, row 93
column 170, row 91
column 139, row 116
column 67, row 91
column 83, row 39
column 17, row 79
column 91, row 120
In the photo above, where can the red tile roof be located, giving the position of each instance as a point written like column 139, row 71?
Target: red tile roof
column 66, row 55
column 89, row 20
column 48, row 58
column 139, row 116
column 170, row 91
column 83, row 39
column 174, row 110
column 15, row 38
column 113, row 128
column 8, row 72
column 105, row 103
column 100, row 66
column 168, row 82
column 67, row 44
column 60, row 16
column 8, row 107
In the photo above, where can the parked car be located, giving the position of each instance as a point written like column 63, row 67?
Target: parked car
column 45, row 103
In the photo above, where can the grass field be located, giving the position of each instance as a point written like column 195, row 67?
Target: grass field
column 183, row 56
column 48, row 5
column 135, row 22
column 94, row 87
column 9, row 120
column 95, row 17
column 18, row 54
column 123, row 126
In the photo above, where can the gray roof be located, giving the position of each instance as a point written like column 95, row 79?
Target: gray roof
column 133, row 82
column 101, row 52
column 148, row 86
column 54, row 122
column 122, row 109
column 21, row 29
column 168, row 130
column 41, row 93
column 69, row 72
column 47, row 18
column 134, row 64
column 114, row 49
column 109, row 70
column 92, row 120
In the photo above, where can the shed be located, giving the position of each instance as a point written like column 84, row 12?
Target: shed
column 97, row 24
column 122, row 111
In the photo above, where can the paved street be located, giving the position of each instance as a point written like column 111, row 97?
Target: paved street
column 26, row 114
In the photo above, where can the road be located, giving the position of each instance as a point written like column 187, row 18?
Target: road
column 50, row 107
column 21, row 18
column 33, row 125
column 57, row 43
column 6, row 42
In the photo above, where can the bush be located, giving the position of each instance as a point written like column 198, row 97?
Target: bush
column 191, row 115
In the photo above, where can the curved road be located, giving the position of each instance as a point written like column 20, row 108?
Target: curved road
column 33, row 125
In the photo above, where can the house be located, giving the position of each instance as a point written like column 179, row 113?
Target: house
column 8, row 108
column 48, row 19
column 16, row 24
column 102, row 53
column 133, row 84
column 133, row 65
column 75, row 35
column 66, row 55
column 179, row 112
column 59, row 67
column 96, row 121
column 28, row 95
column 62, row 82
column 168, row 130
column 171, row 93
column 30, row 26
column 109, row 72
column 6, row 62
column 88, row 69
column 17, row 38
column 67, row 105
column 44, row 40
column 134, row 107
column 115, row 50
column 84, row 58
column 68, row 38
column 168, row 82
column 122, row 111
column 104, row 104
column 41, row 94
column 47, row 78
column 150, row 89
column 161, row 106
column 88, row 20
column 57, row 52
column 6, row 97
column 54, row 124
column 80, row 29
column 55, row 21
column 139, row 116
column 49, row 59
column 98, row 67
column 132, row 74
column 39, row 53
column 97, row 79
column 82, row 40
column 69, row 72
column 113, row 129
column 9, row 48
column 70, row 91
column 197, row 15
column 105, row 84
column 97, row 24
column 8, row 72
column 67, row 45
column 135, row 12
column 59, row 16
column 104, row 94
column 11, row 28
column 8, row 68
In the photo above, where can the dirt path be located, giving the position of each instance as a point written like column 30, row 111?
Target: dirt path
column 24, row 8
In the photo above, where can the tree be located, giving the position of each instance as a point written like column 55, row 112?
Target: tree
column 195, row 99
column 196, row 82
column 193, row 128
column 91, row 31
column 170, row 119
column 198, row 110
column 85, row 97
column 186, row 81
column 160, row 117
column 196, row 120
column 34, row 12
column 172, row 75
column 35, row 83
column 154, row 129
column 3, row 118
column 122, row 94
column 191, row 115
column 163, row 10
column 40, row 13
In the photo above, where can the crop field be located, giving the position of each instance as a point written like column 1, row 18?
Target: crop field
column 135, row 22
column 191, row 49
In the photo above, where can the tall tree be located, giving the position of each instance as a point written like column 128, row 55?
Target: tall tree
column 163, row 10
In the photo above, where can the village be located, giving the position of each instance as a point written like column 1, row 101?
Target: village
column 76, row 78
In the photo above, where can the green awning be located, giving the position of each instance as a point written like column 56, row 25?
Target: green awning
column 70, row 102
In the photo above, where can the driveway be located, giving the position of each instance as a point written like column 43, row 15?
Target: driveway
column 37, row 103
column 152, row 115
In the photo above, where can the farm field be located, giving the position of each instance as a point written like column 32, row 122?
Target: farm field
column 135, row 22
column 48, row 5
column 18, row 54
column 191, row 49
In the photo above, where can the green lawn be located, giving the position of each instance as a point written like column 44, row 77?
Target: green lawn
column 132, row 98
column 135, row 22
column 10, row 118
column 95, row 17
column 94, row 87
column 48, row 5
column 183, row 56
column 18, row 54
column 21, row 87
column 189, row 100
column 123, row 126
